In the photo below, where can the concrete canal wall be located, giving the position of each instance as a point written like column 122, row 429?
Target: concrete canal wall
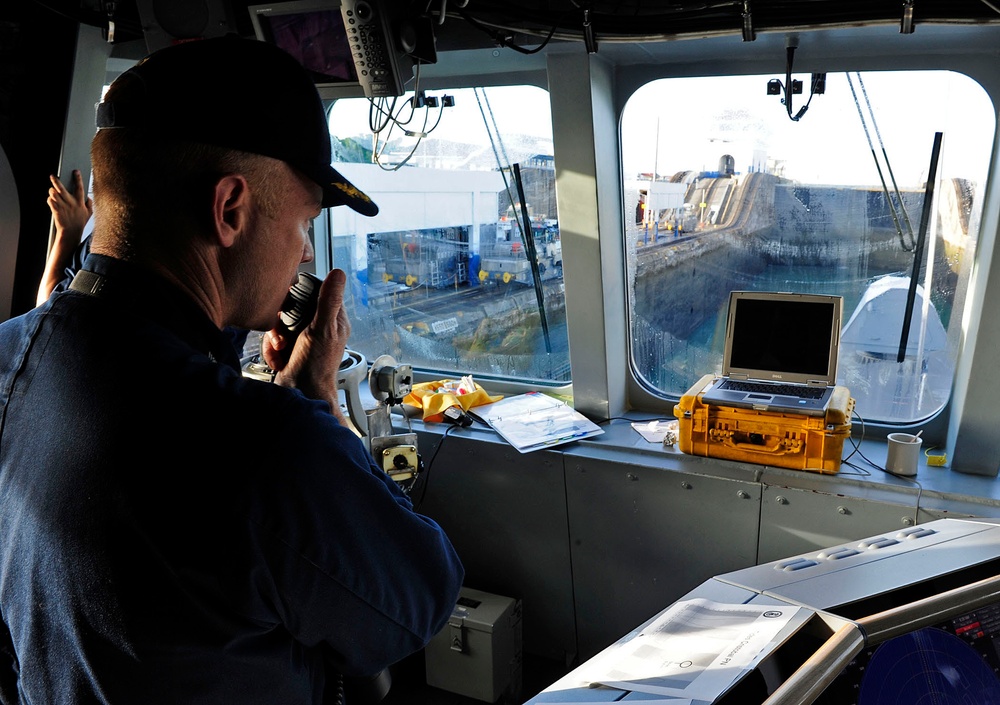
column 680, row 282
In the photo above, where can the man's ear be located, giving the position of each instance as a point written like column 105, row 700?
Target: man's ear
column 230, row 208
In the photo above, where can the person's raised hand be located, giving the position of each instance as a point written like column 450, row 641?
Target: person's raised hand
column 71, row 206
column 313, row 363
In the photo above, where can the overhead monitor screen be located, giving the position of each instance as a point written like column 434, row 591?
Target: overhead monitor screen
column 315, row 37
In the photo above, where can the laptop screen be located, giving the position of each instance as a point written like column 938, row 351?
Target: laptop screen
column 782, row 336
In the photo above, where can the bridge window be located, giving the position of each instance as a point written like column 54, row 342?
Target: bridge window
column 461, row 270
column 725, row 190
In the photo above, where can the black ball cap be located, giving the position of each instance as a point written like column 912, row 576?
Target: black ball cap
column 233, row 92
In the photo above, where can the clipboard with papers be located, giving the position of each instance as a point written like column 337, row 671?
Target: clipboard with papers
column 533, row 421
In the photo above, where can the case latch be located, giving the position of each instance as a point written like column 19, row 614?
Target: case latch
column 456, row 631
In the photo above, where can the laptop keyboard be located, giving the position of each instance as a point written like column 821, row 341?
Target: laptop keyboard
column 791, row 390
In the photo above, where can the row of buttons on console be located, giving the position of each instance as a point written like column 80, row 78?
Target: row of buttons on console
column 834, row 554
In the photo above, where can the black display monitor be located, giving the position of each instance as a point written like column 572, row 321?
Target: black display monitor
column 349, row 46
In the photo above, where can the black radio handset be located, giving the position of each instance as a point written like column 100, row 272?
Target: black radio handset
column 297, row 310
column 300, row 304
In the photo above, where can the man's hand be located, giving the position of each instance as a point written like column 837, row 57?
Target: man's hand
column 314, row 361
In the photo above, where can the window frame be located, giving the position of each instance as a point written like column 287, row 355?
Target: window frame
column 961, row 421
column 881, row 83
column 529, row 72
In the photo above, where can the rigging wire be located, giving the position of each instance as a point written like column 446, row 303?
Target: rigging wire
column 525, row 228
column 885, row 155
column 991, row 6
column 491, row 124
column 503, row 163
column 878, row 167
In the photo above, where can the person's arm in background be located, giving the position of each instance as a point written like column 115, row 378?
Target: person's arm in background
column 71, row 209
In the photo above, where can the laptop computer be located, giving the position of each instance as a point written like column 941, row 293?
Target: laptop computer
column 781, row 352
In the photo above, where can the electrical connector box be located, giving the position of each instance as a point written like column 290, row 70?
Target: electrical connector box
column 478, row 653
column 397, row 454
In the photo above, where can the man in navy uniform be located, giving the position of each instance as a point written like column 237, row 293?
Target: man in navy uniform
column 171, row 531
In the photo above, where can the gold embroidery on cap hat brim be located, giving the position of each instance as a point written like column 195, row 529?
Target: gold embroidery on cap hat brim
column 351, row 191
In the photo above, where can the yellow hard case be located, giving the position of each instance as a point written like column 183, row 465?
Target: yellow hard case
column 813, row 443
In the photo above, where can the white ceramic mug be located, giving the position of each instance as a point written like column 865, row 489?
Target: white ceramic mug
column 904, row 451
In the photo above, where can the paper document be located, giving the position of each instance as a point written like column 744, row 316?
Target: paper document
column 533, row 421
column 696, row 649
column 657, row 431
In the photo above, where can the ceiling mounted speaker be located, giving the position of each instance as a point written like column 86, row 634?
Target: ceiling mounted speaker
column 166, row 22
